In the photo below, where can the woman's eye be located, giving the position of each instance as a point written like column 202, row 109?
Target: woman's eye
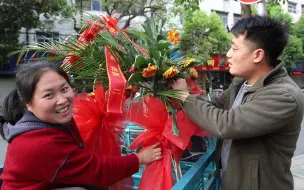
column 65, row 89
column 48, row 95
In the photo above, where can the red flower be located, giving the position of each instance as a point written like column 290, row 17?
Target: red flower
column 73, row 59
column 96, row 26
column 70, row 60
column 132, row 70
column 88, row 35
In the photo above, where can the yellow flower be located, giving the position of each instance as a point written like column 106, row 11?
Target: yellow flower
column 150, row 71
column 173, row 36
column 171, row 72
column 193, row 72
column 187, row 62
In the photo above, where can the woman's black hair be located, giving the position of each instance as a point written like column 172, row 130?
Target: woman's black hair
column 27, row 77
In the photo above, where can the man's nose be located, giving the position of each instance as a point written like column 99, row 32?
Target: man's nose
column 228, row 54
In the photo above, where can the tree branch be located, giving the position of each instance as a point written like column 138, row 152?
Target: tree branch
column 128, row 21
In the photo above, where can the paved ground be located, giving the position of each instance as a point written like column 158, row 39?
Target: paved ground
column 297, row 166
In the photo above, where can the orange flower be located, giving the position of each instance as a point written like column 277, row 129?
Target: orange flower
column 150, row 71
column 187, row 62
column 193, row 73
column 171, row 72
column 132, row 88
column 92, row 94
column 173, row 36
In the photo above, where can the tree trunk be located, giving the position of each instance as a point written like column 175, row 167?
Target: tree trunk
column 245, row 10
column 127, row 24
column 27, row 36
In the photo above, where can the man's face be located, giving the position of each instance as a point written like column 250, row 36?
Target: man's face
column 241, row 57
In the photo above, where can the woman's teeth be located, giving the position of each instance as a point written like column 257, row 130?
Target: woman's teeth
column 63, row 110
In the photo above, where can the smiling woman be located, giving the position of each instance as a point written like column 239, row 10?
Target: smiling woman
column 53, row 99
column 45, row 149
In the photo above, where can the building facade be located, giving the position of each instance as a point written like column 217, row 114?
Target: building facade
column 59, row 29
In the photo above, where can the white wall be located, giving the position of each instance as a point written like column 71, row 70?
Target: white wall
column 298, row 14
column 227, row 6
column 233, row 7
column 63, row 27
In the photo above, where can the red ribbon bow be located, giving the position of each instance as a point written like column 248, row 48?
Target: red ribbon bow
column 98, row 128
column 151, row 114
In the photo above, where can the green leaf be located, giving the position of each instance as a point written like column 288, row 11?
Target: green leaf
column 154, row 54
column 175, row 130
column 135, row 78
column 164, row 66
column 161, row 45
column 140, row 62
column 137, row 34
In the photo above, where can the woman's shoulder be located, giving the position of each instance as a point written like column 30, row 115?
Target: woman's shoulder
column 45, row 140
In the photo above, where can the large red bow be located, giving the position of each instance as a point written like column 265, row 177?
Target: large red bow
column 99, row 129
column 151, row 114
column 93, row 120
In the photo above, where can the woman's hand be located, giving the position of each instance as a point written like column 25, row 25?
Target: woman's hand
column 149, row 154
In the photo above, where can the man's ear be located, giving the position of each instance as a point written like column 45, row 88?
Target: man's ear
column 258, row 55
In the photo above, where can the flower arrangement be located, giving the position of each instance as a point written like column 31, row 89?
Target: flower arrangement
column 104, row 54
column 116, row 69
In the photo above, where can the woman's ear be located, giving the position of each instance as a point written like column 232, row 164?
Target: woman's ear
column 29, row 107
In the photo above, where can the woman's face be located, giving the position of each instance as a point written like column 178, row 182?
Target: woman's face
column 53, row 98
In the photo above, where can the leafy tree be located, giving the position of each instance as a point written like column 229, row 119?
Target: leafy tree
column 25, row 13
column 294, row 49
column 249, row 10
column 298, row 29
column 246, row 10
column 130, row 9
column 183, row 5
column 274, row 10
column 204, row 35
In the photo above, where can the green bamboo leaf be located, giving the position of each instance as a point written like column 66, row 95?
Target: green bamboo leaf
column 135, row 78
column 137, row 34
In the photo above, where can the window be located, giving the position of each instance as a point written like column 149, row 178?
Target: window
column 95, row 5
column 85, row 5
column 224, row 17
column 237, row 17
column 292, row 7
column 302, row 9
column 47, row 36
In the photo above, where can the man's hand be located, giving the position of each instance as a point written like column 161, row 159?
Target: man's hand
column 181, row 84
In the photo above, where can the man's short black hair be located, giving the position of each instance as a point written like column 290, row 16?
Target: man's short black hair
column 268, row 34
